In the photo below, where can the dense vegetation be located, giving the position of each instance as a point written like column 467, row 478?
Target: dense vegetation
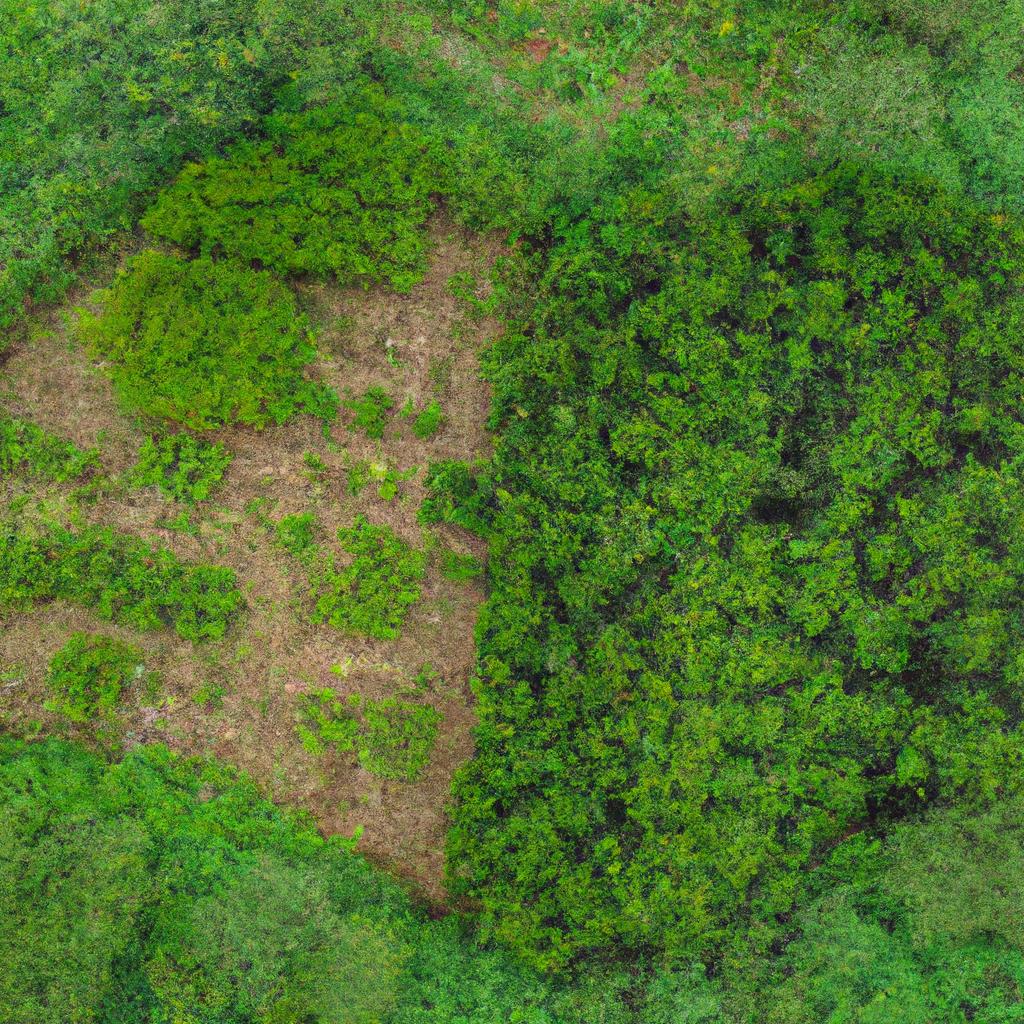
column 749, row 676
column 119, row 577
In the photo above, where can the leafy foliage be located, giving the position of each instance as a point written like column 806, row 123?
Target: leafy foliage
column 371, row 412
column 458, row 494
column 372, row 591
column 118, row 577
column 205, row 343
column 296, row 533
column 103, row 102
column 342, row 189
column 391, row 737
column 89, row 672
column 760, row 588
column 27, row 448
column 183, row 467
column 429, row 420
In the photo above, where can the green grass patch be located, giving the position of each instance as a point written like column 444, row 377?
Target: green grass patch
column 371, row 412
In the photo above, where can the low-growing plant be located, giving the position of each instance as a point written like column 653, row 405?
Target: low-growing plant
column 459, row 568
column 205, row 343
column 295, row 533
column 119, row 577
column 397, row 737
column 429, row 421
column 88, row 674
column 373, row 591
column 325, row 720
column 459, row 494
column 210, row 695
column 185, row 468
column 391, row 738
column 26, row 448
column 371, row 411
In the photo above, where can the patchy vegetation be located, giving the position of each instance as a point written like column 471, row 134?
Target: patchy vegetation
column 391, row 737
column 27, row 448
column 119, row 577
column 748, row 671
column 88, row 673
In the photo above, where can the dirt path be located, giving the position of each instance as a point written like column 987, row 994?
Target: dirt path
column 238, row 699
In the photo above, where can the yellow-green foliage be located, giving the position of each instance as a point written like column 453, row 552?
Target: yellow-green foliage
column 372, row 589
column 87, row 675
column 391, row 737
column 204, row 343
column 340, row 190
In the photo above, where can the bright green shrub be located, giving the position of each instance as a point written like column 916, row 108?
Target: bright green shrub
column 342, row 190
column 429, row 421
column 185, row 468
column 391, row 737
column 371, row 412
column 296, row 533
column 88, row 673
column 119, row 578
column 372, row 591
column 205, row 343
column 27, row 448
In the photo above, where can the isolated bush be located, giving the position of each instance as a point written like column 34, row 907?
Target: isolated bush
column 390, row 737
column 429, row 421
column 86, row 676
column 185, row 468
column 342, row 190
column 204, row 343
column 370, row 592
column 371, row 411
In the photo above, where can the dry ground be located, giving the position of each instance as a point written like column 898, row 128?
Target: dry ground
column 418, row 346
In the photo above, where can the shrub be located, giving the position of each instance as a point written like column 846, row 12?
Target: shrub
column 429, row 421
column 458, row 494
column 340, row 190
column 119, row 577
column 371, row 412
column 182, row 466
column 397, row 738
column 88, row 673
column 391, row 738
column 27, row 448
column 372, row 593
column 204, row 343
column 295, row 533
column 459, row 568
